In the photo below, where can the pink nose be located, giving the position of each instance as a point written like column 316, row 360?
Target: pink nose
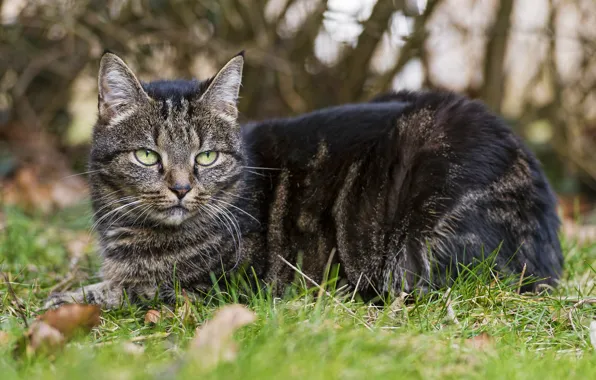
column 180, row 190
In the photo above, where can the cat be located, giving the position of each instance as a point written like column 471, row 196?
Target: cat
column 401, row 192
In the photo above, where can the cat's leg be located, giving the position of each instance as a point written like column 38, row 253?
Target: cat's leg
column 105, row 294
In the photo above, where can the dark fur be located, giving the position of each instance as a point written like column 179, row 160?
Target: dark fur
column 406, row 188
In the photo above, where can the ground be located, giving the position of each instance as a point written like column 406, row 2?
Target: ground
column 479, row 329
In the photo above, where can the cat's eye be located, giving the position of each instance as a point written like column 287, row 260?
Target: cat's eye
column 206, row 158
column 147, row 157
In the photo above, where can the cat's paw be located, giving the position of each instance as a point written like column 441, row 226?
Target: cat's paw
column 56, row 300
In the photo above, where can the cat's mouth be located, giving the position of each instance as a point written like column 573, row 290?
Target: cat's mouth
column 176, row 214
column 177, row 210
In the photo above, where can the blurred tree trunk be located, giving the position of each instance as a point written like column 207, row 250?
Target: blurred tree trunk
column 354, row 67
column 494, row 59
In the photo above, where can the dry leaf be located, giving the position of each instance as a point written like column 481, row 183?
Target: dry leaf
column 593, row 333
column 4, row 338
column 51, row 330
column 43, row 337
column 213, row 341
column 77, row 244
column 68, row 319
column 152, row 316
column 35, row 189
column 184, row 312
column 481, row 342
column 133, row 349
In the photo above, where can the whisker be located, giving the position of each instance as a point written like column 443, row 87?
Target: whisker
column 235, row 195
column 123, row 215
column 112, row 212
column 260, row 168
column 237, row 208
column 80, row 174
column 113, row 202
column 221, row 211
column 147, row 208
column 231, row 227
column 255, row 173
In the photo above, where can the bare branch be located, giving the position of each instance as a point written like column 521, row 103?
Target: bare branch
column 355, row 63
column 413, row 47
column 493, row 86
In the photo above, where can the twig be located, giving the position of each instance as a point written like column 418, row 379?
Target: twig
column 338, row 302
column 136, row 339
column 19, row 306
column 356, row 288
column 521, row 279
column 577, row 305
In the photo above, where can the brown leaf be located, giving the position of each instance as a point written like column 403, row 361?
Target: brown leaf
column 42, row 337
column 51, row 330
column 481, row 342
column 34, row 188
column 4, row 338
column 185, row 312
column 213, row 341
column 133, row 349
column 69, row 319
column 152, row 317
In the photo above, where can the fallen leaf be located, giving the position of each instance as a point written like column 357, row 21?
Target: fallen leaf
column 152, row 317
column 184, row 312
column 51, row 330
column 4, row 338
column 133, row 349
column 213, row 341
column 43, row 338
column 593, row 333
column 71, row 318
column 34, row 188
column 481, row 342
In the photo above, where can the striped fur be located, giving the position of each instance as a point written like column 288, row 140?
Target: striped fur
column 405, row 188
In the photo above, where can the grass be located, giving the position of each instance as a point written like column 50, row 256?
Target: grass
column 521, row 336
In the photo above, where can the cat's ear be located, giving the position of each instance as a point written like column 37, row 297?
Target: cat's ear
column 222, row 93
column 119, row 89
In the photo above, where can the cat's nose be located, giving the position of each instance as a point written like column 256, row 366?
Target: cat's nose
column 180, row 189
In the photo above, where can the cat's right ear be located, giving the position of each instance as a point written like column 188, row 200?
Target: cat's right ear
column 119, row 88
column 222, row 93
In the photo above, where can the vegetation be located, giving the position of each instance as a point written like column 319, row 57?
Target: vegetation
column 477, row 329
column 531, row 61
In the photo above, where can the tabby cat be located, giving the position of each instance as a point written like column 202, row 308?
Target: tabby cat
column 400, row 191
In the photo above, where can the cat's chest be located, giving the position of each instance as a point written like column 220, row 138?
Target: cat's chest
column 158, row 255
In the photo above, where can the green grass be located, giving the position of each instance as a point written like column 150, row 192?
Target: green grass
column 532, row 336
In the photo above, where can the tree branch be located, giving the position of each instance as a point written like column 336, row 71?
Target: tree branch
column 355, row 64
column 413, row 47
column 493, row 87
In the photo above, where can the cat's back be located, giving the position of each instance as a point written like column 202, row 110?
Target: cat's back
column 406, row 125
column 407, row 173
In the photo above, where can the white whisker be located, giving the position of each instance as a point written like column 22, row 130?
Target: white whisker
column 80, row 174
column 260, row 168
column 112, row 212
column 237, row 208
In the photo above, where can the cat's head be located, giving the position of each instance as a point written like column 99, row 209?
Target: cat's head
column 165, row 151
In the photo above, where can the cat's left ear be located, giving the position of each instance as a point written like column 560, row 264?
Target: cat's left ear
column 222, row 93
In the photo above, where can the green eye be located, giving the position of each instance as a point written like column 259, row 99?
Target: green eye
column 206, row 158
column 147, row 157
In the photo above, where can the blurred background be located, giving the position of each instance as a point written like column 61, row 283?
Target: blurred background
column 532, row 61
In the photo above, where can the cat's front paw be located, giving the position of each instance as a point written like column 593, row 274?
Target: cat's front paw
column 56, row 300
